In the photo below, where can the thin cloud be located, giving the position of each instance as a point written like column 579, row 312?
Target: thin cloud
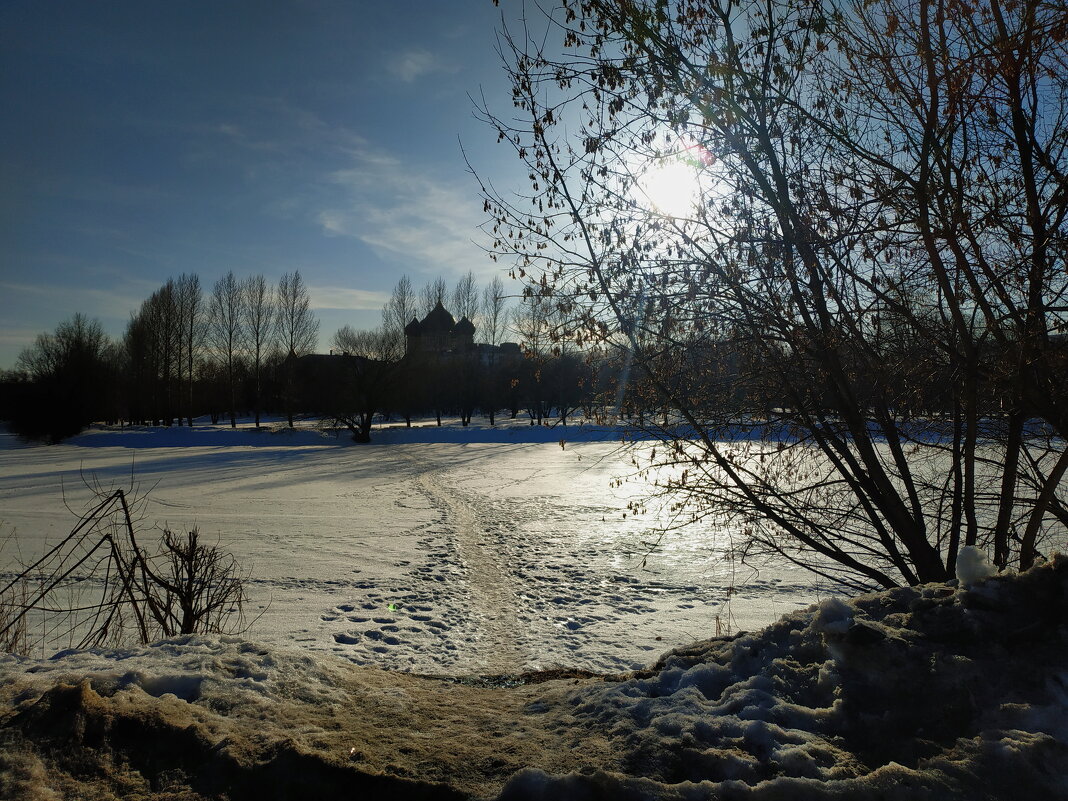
column 414, row 63
column 409, row 214
column 26, row 304
column 275, row 125
column 18, row 338
column 102, row 303
column 405, row 214
column 344, row 298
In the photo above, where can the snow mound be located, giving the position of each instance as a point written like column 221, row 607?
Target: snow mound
column 925, row 692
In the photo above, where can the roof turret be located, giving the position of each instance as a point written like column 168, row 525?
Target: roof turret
column 439, row 321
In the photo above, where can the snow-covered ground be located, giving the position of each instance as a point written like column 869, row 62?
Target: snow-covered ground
column 932, row 692
column 480, row 552
column 432, row 550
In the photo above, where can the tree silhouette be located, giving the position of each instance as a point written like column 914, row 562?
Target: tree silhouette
column 297, row 329
column 854, row 319
column 226, row 333
column 72, row 381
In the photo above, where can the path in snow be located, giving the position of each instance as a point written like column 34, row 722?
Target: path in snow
column 490, row 583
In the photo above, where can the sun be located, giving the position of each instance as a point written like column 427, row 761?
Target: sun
column 670, row 186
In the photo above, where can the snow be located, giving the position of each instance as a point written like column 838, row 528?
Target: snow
column 973, row 566
column 833, row 616
column 934, row 692
column 432, row 550
column 916, row 693
column 495, row 556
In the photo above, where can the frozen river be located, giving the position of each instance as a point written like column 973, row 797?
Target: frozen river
column 433, row 551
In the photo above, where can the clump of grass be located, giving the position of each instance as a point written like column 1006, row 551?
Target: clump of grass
column 14, row 638
column 100, row 586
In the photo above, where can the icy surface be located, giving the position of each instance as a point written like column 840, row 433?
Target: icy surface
column 432, row 550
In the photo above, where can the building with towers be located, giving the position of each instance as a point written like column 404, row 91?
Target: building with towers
column 438, row 333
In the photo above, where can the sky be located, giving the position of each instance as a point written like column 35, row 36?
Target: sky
column 140, row 140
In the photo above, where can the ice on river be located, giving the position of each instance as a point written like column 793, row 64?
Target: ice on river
column 439, row 551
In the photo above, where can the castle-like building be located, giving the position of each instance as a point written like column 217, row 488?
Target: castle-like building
column 438, row 333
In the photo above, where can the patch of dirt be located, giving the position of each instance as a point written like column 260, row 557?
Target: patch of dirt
column 396, row 736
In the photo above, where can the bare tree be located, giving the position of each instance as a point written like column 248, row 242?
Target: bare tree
column 71, row 372
column 865, row 275
column 465, row 298
column 258, row 309
column 397, row 314
column 493, row 315
column 183, row 587
column 193, row 325
column 437, row 291
column 400, row 310
column 363, row 380
column 154, row 351
column 226, row 332
column 163, row 316
column 297, row 328
column 532, row 325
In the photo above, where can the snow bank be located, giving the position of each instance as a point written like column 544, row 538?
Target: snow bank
column 217, row 717
column 926, row 692
column 934, row 692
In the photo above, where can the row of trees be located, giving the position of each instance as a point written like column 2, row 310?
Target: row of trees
column 182, row 354
column 874, row 261
column 186, row 353
column 66, row 380
column 382, row 378
column 178, row 336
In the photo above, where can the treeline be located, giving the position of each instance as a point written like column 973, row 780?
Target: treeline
column 371, row 374
column 245, row 348
column 184, row 353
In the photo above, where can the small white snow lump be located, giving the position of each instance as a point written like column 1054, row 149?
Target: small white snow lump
column 833, row 616
column 973, row 566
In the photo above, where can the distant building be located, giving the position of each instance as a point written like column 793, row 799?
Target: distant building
column 491, row 355
column 438, row 334
column 437, row 339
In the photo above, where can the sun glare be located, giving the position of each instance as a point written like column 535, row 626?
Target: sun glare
column 671, row 187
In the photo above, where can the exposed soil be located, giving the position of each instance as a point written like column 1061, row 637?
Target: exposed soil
column 400, row 737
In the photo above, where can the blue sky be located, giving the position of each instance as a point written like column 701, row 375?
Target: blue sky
column 140, row 140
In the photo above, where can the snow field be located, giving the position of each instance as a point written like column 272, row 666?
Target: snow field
column 495, row 555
